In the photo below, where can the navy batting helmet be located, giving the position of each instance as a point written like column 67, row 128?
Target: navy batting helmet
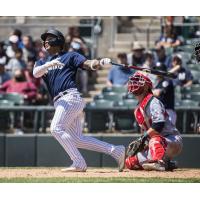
column 59, row 39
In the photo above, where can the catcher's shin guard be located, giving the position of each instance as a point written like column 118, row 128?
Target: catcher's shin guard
column 157, row 147
column 132, row 163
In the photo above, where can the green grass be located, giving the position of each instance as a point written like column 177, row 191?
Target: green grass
column 98, row 180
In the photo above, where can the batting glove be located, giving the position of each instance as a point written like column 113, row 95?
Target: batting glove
column 105, row 61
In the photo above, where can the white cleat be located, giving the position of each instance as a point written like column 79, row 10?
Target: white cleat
column 73, row 169
column 153, row 166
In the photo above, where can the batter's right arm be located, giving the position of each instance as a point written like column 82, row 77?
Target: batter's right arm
column 40, row 70
column 95, row 64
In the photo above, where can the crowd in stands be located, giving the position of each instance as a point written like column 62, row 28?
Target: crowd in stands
column 165, row 56
column 19, row 53
column 17, row 57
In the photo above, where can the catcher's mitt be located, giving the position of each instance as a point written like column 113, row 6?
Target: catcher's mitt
column 137, row 145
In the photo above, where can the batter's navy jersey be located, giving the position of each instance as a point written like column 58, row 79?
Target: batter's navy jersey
column 61, row 78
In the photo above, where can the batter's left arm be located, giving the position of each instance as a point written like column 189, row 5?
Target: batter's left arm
column 95, row 63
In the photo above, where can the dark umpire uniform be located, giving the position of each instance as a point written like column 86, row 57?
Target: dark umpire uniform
column 166, row 93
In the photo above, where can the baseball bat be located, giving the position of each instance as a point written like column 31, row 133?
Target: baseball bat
column 151, row 71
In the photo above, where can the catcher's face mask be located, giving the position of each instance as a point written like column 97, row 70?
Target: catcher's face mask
column 137, row 83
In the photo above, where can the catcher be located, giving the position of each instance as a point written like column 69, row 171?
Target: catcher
column 160, row 141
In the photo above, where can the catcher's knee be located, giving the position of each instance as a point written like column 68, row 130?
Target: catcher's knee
column 132, row 163
column 157, row 147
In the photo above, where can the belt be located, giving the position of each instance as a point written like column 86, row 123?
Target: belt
column 60, row 95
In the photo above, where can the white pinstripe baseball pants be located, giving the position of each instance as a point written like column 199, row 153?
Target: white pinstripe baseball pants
column 67, row 129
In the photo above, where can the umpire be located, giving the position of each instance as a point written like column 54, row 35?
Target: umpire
column 164, row 91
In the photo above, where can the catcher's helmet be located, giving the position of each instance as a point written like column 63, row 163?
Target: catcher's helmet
column 59, row 39
column 137, row 82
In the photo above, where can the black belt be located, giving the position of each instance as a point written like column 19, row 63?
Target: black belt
column 60, row 95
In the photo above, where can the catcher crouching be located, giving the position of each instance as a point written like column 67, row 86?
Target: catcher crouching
column 160, row 141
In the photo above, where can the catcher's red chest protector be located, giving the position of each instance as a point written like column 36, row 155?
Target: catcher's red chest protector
column 140, row 116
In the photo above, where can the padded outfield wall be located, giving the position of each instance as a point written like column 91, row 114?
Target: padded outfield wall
column 43, row 150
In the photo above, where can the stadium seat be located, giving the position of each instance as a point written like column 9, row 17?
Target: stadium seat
column 115, row 88
column 187, row 103
column 5, row 103
column 187, row 119
column 107, row 89
column 196, row 75
column 185, row 48
column 191, row 89
column 6, row 118
column 1, row 96
column 129, row 96
column 98, row 117
column 113, row 96
column 192, row 41
column 124, row 118
column 194, row 66
column 98, row 97
column 130, row 103
column 119, row 89
column 195, row 96
column 101, row 103
column 16, row 98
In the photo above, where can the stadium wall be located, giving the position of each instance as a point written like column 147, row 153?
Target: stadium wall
column 44, row 151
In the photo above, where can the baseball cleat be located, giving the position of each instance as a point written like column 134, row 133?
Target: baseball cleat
column 121, row 160
column 157, row 166
column 73, row 169
column 171, row 165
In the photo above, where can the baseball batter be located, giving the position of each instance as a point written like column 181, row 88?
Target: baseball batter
column 58, row 71
column 163, row 140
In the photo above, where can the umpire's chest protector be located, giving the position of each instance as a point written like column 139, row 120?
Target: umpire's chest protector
column 142, row 119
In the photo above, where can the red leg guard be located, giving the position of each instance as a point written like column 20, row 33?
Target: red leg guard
column 157, row 147
column 132, row 163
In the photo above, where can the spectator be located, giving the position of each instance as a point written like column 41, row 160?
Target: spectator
column 18, row 84
column 76, row 43
column 41, row 96
column 13, row 46
column 119, row 75
column 28, row 48
column 18, row 33
column 169, row 38
column 136, row 57
column 40, row 51
column 161, row 56
column 28, row 72
column 17, row 62
column 184, row 76
column 150, row 63
column 164, row 91
column 149, row 60
column 3, row 56
column 4, row 76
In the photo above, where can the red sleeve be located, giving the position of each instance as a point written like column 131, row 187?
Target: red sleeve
column 4, row 86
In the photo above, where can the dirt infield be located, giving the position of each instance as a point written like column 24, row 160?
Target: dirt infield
column 94, row 172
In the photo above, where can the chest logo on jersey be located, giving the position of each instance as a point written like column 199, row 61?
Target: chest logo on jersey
column 54, row 68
